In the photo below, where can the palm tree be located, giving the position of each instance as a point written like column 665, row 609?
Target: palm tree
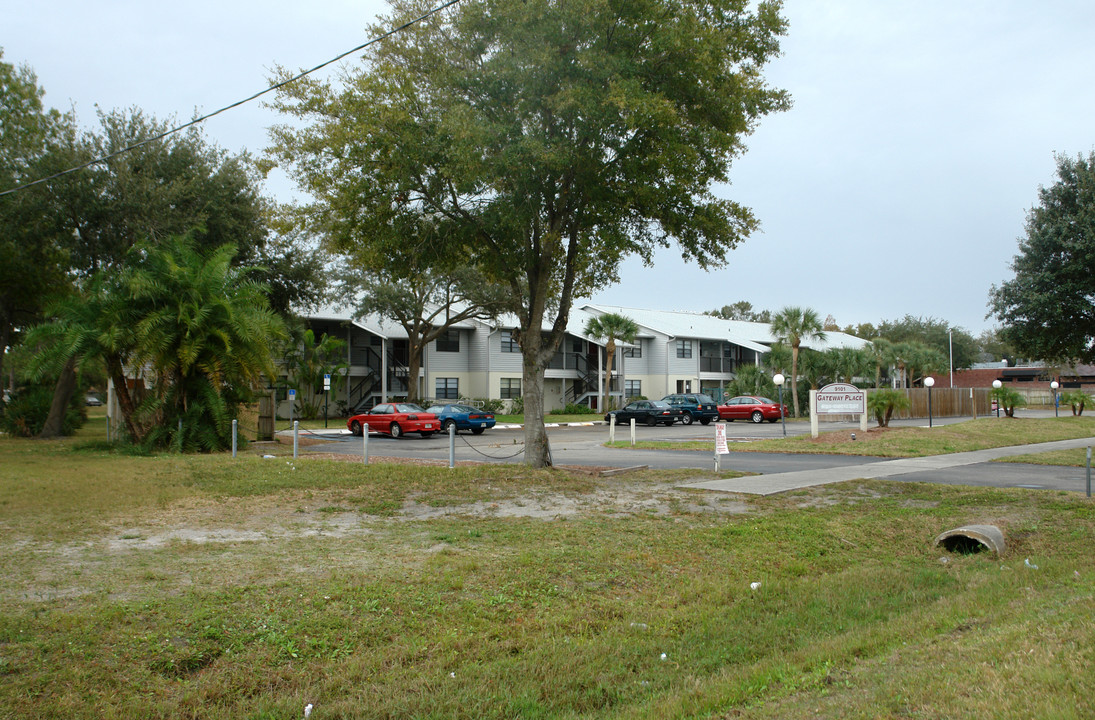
column 850, row 363
column 611, row 327
column 195, row 323
column 792, row 325
column 882, row 355
column 206, row 332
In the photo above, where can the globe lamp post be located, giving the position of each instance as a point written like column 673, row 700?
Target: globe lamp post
column 928, row 382
column 1053, row 386
column 996, row 385
column 778, row 379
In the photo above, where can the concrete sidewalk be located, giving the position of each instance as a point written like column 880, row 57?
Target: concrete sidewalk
column 782, row 482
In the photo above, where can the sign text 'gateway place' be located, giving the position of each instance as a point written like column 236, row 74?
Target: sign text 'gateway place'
column 841, row 399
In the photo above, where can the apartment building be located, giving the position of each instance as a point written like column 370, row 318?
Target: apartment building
column 674, row 352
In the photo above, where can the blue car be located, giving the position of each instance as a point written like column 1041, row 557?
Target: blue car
column 464, row 417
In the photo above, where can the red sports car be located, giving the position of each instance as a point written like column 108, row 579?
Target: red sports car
column 751, row 407
column 395, row 419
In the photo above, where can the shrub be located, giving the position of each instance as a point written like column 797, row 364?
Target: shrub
column 573, row 409
column 1076, row 399
column 26, row 413
column 517, row 406
column 1008, row 399
column 491, row 405
column 883, row 402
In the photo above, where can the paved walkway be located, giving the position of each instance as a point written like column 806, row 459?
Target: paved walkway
column 782, row 482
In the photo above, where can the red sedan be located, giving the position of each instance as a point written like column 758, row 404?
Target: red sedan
column 751, row 407
column 395, row 419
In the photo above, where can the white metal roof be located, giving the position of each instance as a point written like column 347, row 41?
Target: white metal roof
column 669, row 323
column 751, row 335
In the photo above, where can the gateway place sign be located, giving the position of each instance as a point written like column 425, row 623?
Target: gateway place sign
column 841, row 399
column 837, row 399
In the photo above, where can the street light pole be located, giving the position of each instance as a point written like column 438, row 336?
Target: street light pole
column 778, row 379
column 996, row 385
column 1053, row 386
column 928, row 382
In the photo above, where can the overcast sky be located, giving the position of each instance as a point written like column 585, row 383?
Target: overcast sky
column 898, row 183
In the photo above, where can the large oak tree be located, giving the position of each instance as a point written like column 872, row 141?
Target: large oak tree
column 546, row 140
column 1048, row 308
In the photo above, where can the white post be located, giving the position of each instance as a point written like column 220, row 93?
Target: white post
column 632, row 432
column 296, row 437
column 235, row 425
column 365, row 443
column 813, row 414
column 611, row 429
column 452, row 445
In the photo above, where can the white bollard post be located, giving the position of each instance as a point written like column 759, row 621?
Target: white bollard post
column 452, row 445
column 296, row 437
column 235, row 426
column 365, row 442
column 611, row 429
column 632, row 432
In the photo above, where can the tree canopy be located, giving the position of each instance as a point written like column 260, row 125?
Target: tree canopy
column 33, row 261
column 427, row 304
column 542, row 141
column 1048, row 308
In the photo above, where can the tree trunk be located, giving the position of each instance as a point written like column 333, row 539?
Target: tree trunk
column 537, row 447
column 534, row 359
column 414, row 364
column 610, row 351
column 794, row 378
column 62, row 396
column 5, row 338
column 125, row 400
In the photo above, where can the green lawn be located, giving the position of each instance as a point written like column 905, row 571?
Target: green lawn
column 908, row 441
column 202, row 587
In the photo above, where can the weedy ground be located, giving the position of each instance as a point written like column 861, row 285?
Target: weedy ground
column 201, row 587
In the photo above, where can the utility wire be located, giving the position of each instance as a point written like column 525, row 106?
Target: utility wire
column 226, row 108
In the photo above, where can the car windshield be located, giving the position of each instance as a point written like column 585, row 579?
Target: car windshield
column 463, row 409
column 705, row 399
column 408, row 408
column 659, row 404
column 436, row 409
column 765, row 401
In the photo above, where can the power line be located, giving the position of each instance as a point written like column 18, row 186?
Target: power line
column 226, row 108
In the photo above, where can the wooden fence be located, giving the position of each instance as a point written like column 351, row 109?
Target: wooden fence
column 946, row 402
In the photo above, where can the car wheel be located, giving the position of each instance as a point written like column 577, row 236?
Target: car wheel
column 705, row 421
column 757, row 417
column 687, row 418
column 355, row 428
column 652, row 421
column 395, row 430
column 477, row 431
column 446, row 425
column 775, row 419
column 426, row 433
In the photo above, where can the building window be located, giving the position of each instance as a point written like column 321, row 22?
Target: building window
column 449, row 342
column 633, row 388
column 511, row 388
column 633, row 352
column 684, row 348
column 447, row 388
column 509, row 344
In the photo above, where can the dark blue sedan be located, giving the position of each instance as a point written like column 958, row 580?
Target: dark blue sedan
column 464, row 417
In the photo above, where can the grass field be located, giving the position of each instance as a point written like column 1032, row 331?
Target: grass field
column 913, row 441
column 202, row 587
